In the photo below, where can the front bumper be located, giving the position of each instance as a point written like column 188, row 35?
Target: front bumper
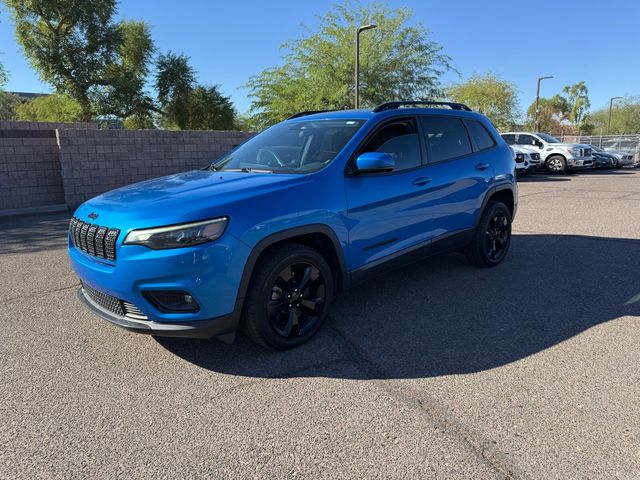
column 580, row 164
column 211, row 273
column 200, row 329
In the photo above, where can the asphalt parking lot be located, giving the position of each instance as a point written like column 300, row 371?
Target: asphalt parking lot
column 438, row 370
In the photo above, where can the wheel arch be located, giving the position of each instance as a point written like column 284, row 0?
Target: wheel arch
column 318, row 236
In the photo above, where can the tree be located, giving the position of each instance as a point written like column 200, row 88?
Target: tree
column 577, row 96
column 208, row 109
column 490, row 95
column 50, row 108
column 175, row 79
column 398, row 61
column 553, row 112
column 123, row 94
column 625, row 117
column 8, row 101
column 82, row 52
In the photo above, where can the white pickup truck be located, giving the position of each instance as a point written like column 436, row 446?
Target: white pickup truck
column 556, row 156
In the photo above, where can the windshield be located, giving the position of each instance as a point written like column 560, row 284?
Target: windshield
column 596, row 149
column 548, row 138
column 296, row 147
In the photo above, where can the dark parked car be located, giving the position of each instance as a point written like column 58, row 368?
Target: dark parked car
column 603, row 159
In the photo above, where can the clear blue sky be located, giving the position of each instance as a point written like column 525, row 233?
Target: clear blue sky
column 574, row 40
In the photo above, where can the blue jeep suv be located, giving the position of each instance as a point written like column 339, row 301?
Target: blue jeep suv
column 265, row 236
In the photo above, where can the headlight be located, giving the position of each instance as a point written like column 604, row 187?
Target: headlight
column 177, row 236
column 519, row 157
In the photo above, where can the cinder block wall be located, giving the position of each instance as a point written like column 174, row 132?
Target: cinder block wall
column 95, row 161
column 30, row 174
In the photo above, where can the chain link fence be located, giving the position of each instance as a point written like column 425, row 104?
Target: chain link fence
column 629, row 144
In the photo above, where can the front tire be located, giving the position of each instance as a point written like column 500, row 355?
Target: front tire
column 557, row 164
column 289, row 297
column 492, row 238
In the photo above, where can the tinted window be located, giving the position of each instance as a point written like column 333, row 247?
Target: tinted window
column 401, row 141
column 510, row 138
column 447, row 138
column 480, row 135
column 292, row 147
column 526, row 140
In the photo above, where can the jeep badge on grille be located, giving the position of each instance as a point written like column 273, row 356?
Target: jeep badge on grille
column 93, row 215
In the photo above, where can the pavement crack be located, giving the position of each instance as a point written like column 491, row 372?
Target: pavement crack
column 485, row 450
column 39, row 294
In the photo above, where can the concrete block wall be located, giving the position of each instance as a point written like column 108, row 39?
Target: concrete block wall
column 30, row 173
column 95, row 161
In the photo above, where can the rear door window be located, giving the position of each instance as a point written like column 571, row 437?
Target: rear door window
column 480, row 135
column 447, row 138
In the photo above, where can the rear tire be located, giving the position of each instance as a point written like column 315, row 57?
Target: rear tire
column 492, row 238
column 289, row 297
column 557, row 164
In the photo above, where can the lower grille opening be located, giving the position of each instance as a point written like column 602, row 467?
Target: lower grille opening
column 113, row 304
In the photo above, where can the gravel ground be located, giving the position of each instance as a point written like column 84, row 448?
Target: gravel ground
column 438, row 370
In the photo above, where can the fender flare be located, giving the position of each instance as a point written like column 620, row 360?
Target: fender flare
column 278, row 237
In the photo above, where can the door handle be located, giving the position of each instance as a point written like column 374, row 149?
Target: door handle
column 421, row 181
column 482, row 166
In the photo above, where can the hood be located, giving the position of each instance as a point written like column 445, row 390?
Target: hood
column 570, row 145
column 519, row 149
column 183, row 197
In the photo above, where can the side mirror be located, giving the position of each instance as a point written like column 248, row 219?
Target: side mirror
column 375, row 162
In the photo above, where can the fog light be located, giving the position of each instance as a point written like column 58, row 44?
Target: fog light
column 172, row 302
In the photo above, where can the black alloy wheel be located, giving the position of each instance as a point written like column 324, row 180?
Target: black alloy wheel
column 298, row 297
column 289, row 296
column 492, row 237
column 497, row 236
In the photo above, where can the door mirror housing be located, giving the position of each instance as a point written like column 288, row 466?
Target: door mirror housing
column 375, row 162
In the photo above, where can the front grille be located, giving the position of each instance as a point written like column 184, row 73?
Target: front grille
column 94, row 239
column 585, row 152
column 113, row 304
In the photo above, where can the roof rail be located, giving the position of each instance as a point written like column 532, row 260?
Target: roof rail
column 393, row 105
column 308, row 112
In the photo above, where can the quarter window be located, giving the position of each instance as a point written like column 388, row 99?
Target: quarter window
column 401, row 141
column 480, row 135
column 447, row 138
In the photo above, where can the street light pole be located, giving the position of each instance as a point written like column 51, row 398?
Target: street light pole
column 536, row 126
column 357, row 79
column 610, row 106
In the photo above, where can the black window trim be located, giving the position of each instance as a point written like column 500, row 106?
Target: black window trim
column 430, row 153
column 474, row 145
column 349, row 169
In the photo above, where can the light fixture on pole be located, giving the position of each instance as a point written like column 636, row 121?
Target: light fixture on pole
column 610, row 106
column 357, row 79
column 536, row 126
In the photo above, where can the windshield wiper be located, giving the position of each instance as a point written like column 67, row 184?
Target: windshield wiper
column 248, row 170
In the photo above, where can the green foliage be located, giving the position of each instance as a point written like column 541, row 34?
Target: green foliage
column 208, row 109
column 553, row 111
column 50, row 108
column 139, row 122
column 490, row 95
column 4, row 76
column 577, row 96
column 175, row 79
column 122, row 94
column 84, row 54
column 397, row 61
column 625, row 117
column 9, row 103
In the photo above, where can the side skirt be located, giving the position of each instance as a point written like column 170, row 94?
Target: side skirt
column 443, row 244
